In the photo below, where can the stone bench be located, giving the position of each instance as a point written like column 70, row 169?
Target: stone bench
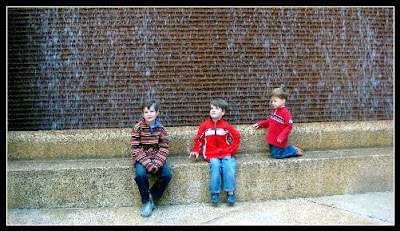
column 111, row 143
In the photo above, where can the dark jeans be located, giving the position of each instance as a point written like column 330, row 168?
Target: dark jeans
column 158, row 188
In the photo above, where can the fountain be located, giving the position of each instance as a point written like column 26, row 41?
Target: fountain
column 78, row 68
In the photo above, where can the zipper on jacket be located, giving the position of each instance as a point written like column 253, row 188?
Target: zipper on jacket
column 216, row 137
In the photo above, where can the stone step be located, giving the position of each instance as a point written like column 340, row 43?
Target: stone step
column 111, row 143
column 83, row 183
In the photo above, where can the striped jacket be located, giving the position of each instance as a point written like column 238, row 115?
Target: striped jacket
column 217, row 140
column 150, row 149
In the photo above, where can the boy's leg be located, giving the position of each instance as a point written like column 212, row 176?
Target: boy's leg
column 229, row 167
column 290, row 151
column 215, row 175
column 165, row 176
column 142, row 181
column 280, row 153
column 276, row 152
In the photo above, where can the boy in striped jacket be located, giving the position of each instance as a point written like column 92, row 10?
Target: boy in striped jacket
column 218, row 142
column 149, row 149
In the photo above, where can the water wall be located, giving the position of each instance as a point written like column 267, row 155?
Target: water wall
column 78, row 68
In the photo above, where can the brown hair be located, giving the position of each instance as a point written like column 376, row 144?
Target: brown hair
column 279, row 92
column 150, row 102
column 220, row 103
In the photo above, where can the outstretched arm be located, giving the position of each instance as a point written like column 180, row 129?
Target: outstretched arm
column 262, row 124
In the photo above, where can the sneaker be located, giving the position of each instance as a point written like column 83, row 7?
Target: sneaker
column 214, row 198
column 147, row 209
column 300, row 151
column 231, row 199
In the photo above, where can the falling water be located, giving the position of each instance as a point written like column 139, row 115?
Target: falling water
column 91, row 68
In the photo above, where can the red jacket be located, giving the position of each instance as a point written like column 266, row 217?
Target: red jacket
column 279, row 125
column 217, row 140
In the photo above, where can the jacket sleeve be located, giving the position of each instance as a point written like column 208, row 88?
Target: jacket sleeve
column 163, row 152
column 263, row 124
column 288, row 125
column 199, row 140
column 137, row 151
column 236, row 139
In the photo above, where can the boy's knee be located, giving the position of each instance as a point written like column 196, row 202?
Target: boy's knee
column 215, row 164
column 276, row 154
column 230, row 166
column 277, row 157
column 230, row 160
column 214, row 161
column 140, row 175
column 168, row 175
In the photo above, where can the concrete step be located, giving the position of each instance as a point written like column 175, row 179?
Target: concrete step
column 111, row 143
column 83, row 183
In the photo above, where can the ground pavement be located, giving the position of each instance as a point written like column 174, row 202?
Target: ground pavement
column 374, row 208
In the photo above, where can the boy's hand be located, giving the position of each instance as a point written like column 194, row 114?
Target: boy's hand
column 279, row 140
column 255, row 126
column 194, row 154
column 154, row 169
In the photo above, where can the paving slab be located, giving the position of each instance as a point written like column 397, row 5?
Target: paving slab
column 374, row 208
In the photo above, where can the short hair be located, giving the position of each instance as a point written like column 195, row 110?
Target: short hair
column 279, row 92
column 150, row 102
column 220, row 103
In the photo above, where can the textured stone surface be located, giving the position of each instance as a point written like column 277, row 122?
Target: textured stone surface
column 374, row 208
column 110, row 182
column 99, row 143
column 108, row 143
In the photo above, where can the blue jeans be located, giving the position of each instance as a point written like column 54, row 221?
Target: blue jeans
column 226, row 167
column 280, row 153
column 158, row 188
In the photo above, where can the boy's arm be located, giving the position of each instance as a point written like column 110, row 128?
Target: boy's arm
column 137, row 151
column 288, row 127
column 263, row 124
column 163, row 152
column 236, row 139
column 198, row 140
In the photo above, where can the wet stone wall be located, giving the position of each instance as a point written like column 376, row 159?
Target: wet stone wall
column 78, row 68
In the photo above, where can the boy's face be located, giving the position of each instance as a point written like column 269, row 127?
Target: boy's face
column 216, row 113
column 277, row 102
column 150, row 115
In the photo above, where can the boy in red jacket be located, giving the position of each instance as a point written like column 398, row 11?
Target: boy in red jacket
column 218, row 141
column 279, row 126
